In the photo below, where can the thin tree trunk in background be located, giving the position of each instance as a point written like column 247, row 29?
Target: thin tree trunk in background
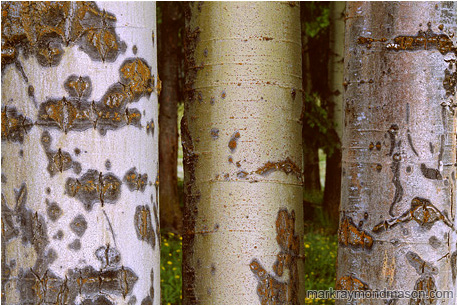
column 241, row 141
column 331, row 197
column 398, row 210
column 171, row 216
column 79, row 156
column 311, row 161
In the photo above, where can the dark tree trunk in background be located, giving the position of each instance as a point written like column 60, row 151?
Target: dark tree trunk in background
column 312, row 185
column 331, row 197
column 168, row 115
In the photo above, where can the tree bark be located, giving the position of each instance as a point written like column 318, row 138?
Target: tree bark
column 331, row 197
column 311, row 160
column 79, row 153
column 241, row 134
column 171, row 216
column 398, row 211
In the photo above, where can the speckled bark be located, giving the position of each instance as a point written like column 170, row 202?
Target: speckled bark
column 241, row 130
column 398, row 210
column 79, row 153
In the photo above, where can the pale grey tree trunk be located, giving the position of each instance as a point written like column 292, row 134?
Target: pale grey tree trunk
column 398, row 211
column 79, row 153
column 241, row 132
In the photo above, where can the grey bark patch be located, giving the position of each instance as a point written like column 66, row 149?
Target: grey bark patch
column 53, row 210
column 147, row 301
column 214, row 133
column 425, row 283
column 399, row 191
column 135, row 180
column 108, row 256
column 98, row 300
column 421, row 266
column 79, row 225
column 78, row 86
column 51, row 256
column 150, row 127
column 430, row 173
column 14, row 125
column 434, row 242
column 453, row 266
column 143, row 225
column 75, row 245
column 108, row 164
column 59, row 235
column 132, row 300
column 94, row 187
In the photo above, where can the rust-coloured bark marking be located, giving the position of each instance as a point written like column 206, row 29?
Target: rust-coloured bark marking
column 270, row 289
column 350, row 235
column 76, row 113
column 449, row 81
column 233, row 141
column 58, row 161
column 43, row 28
column 78, row 87
column 144, row 225
column 14, row 125
column 94, row 187
column 421, row 210
column 287, row 166
column 150, row 127
column 136, row 77
column 426, row 281
column 424, row 40
column 351, row 283
column 135, row 180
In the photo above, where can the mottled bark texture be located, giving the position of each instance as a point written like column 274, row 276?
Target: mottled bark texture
column 331, row 197
column 398, row 211
column 172, row 19
column 79, row 153
column 241, row 130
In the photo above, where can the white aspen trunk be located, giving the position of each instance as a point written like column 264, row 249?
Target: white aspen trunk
column 241, row 132
column 398, row 210
column 79, row 153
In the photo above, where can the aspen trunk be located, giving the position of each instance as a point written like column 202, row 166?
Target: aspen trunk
column 171, row 216
column 79, row 153
column 241, row 132
column 398, row 212
column 331, row 197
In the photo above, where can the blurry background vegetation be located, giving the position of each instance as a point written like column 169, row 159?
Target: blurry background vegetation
column 320, row 240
